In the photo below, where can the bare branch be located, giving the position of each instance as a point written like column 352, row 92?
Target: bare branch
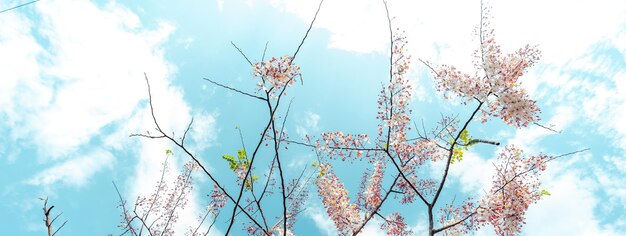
column 307, row 31
column 55, row 232
column 243, row 54
column 182, row 141
column 369, row 217
column 264, row 50
column 47, row 221
column 194, row 158
column 474, row 141
column 546, row 127
column 18, row 6
column 234, row 89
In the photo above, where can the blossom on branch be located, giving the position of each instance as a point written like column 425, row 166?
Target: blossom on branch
column 275, row 74
column 393, row 101
column 341, row 145
column 461, row 219
column 394, row 225
column 372, row 193
column 515, row 187
column 345, row 215
column 495, row 82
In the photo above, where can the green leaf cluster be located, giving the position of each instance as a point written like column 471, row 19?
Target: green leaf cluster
column 544, row 193
column 457, row 153
column 241, row 160
column 321, row 171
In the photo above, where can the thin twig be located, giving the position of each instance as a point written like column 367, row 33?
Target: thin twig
column 234, row 89
column 243, row 54
column 369, row 217
column 307, row 32
column 18, row 6
column 335, row 148
column 445, row 173
column 546, row 127
column 194, row 158
column 264, row 50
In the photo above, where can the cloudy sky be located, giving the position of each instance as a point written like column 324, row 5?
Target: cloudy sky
column 72, row 90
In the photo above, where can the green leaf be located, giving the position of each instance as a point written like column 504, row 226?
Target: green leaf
column 464, row 136
column 252, row 179
column 168, row 152
column 457, row 155
column 320, row 168
column 231, row 161
column 236, row 126
column 545, row 193
column 241, row 154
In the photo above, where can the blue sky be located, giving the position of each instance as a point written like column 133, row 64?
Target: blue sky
column 72, row 90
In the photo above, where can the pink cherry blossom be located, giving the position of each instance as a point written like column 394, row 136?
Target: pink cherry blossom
column 495, row 82
column 393, row 101
column 372, row 193
column 394, row 225
column 515, row 187
column 345, row 215
column 276, row 74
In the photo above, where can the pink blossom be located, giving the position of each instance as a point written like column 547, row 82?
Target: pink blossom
column 337, row 144
column 462, row 216
column 394, row 98
column 276, row 74
column 515, row 187
column 372, row 192
column 496, row 81
column 345, row 215
column 394, row 225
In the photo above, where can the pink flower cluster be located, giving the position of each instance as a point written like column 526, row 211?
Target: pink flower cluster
column 394, row 225
column 160, row 209
column 372, row 195
column 276, row 74
column 218, row 199
column 452, row 214
column 335, row 198
column 338, row 143
column 424, row 186
column 496, row 81
column 394, row 99
column 515, row 187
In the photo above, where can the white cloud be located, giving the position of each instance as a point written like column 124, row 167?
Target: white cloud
column 311, row 120
column 442, row 31
column 528, row 138
column 203, row 131
column 74, row 83
column 87, row 76
column 568, row 211
column 66, row 79
column 307, row 124
column 606, row 107
column 608, row 175
column 19, row 52
column 220, row 5
column 354, row 24
column 74, row 172
column 325, row 224
column 473, row 173
column 321, row 220
column 557, row 26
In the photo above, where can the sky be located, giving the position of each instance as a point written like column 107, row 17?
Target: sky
column 72, row 90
